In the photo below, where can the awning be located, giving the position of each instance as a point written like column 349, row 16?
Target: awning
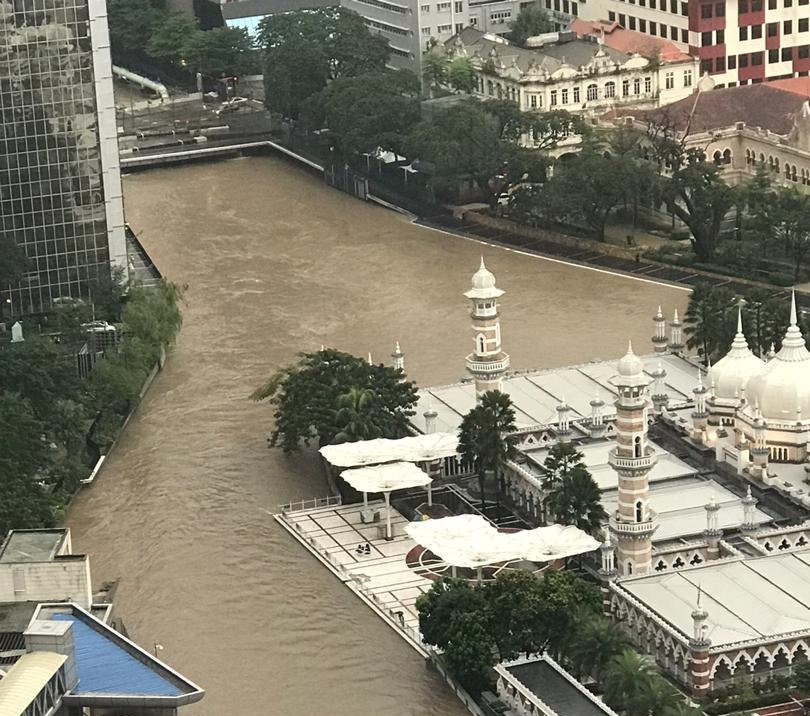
column 419, row 448
column 386, row 478
column 472, row 541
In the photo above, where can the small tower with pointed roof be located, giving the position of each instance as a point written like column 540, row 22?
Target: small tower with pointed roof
column 660, row 398
column 700, row 415
column 676, row 334
column 487, row 363
column 563, row 421
column 712, row 533
column 634, row 522
column 597, row 418
column 659, row 339
column 749, row 503
column 699, row 644
column 398, row 358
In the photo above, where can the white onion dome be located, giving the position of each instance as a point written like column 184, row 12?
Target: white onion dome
column 483, row 284
column 782, row 389
column 731, row 373
column 630, row 364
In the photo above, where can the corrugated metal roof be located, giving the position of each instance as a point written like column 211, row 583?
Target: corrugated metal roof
column 26, row 679
column 105, row 667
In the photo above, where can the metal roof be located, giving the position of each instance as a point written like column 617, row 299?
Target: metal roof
column 753, row 599
column 105, row 667
column 26, row 679
column 536, row 394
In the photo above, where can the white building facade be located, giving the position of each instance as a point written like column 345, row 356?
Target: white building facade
column 569, row 74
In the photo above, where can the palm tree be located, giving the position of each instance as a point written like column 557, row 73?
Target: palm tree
column 572, row 496
column 595, row 642
column 628, row 683
column 708, row 323
column 486, row 437
column 576, row 500
column 354, row 416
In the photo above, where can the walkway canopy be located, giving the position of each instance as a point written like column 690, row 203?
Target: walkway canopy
column 419, row 448
column 386, row 478
column 472, row 541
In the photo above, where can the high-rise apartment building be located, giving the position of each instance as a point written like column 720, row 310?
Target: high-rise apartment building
column 737, row 41
column 60, row 186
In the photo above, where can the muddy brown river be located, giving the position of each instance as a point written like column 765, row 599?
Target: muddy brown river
column 277, row 263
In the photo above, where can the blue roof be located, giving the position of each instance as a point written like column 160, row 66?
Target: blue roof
column 105, row 667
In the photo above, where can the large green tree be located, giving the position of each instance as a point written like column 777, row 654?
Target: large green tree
column 445, row 598
column 486, row 436
column 514, row 601
column 169, row 40
column 461, row 142
column 588, row 187
column 222, row 52
column 307, row 398
column 709, row 321
column 576, row 500
column 530, row 21
column 697, row 195
column 362, row 113
column 304, row 50
column 595, row 642
column 132, row 23
column 628, row 683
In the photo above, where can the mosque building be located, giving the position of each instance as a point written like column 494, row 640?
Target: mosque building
column 704, row 578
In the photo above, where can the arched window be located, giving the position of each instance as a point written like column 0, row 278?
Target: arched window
column 639, row 511
column 637, row 447
column 727, row 157
column 747, row 157
column 592, row 92
column 717, row 158
column 629, row 567
column 787, row 171
column 636, row 86
column 793, row 176
column 610, row 89
column 761, row 158
column 481, row 342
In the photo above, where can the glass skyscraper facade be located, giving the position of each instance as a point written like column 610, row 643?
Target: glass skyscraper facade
column 60, row 186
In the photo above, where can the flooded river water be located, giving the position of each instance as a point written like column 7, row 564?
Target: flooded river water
column 277, row 263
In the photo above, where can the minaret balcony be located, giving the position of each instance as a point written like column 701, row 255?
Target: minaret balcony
column 635, row 529
column 485, row 366
column 627, row 464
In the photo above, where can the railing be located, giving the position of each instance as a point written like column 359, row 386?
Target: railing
column 478, row 366
column 299, row 506
column 634, row 527
column 632, row 463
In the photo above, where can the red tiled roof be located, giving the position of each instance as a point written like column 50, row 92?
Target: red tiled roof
column 797, row 85
column 628, row 41
column 759, row 105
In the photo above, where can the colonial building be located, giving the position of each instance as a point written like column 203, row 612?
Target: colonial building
column 563, row 72
column 740, row 129
column 737, row 41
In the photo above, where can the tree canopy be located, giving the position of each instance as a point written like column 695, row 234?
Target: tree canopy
column 362, row 113
column 306, row 49
column 308, row 397
column 530, row 21
column 486, row 435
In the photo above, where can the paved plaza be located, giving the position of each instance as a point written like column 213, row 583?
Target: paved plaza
column 334, row 533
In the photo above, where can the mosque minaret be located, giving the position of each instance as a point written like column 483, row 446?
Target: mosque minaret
column 634, row 522
column 487, row 363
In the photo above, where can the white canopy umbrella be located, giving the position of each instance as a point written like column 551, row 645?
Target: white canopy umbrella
column 553, row 542
column 361, row 452
column 418, row 448
column 472, row 541
column 386, row 479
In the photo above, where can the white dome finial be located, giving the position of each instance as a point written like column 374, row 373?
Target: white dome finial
column 739, row 319
column 793, row 321
column 370, row 362
column 630, row 348
column 482, row 264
